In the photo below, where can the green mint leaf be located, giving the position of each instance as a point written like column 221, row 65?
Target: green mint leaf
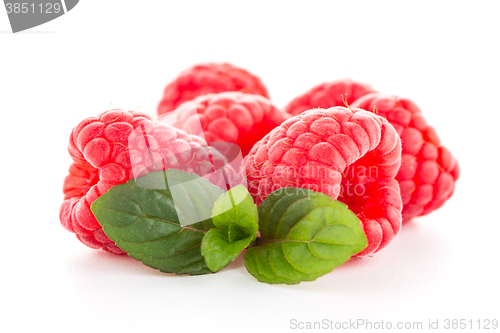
column 144, row 220
column 218, row 251
column 303, row 235
column 235, row 216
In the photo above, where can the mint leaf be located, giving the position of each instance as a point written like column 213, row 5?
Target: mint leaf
column 235, row 216
column 304, row 235
column 143, row 220
column 218, row 251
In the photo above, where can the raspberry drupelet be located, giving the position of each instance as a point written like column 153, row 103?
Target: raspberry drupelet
column 329, row 94
column 428, row 170
column 232, row 117
column 207, row 79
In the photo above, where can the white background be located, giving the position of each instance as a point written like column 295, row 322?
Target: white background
column 444, row 56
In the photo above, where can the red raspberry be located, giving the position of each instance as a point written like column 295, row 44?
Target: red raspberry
column 112, row 148
column 327, row 95
column 206, row 79
column 428, row 170
column 350, row 154
column 229, row 117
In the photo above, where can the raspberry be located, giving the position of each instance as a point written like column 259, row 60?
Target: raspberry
column 206, row 79
column 350, row 154
column 112, row 148
column 229, row 117
column 328, row 94
column 428, row 170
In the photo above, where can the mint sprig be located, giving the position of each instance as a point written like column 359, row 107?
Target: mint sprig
column 143, row 220
column 304, row 235
column 180, row 223
column 235, row 217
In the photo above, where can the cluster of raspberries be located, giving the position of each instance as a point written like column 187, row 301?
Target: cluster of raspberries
column 374, row 152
